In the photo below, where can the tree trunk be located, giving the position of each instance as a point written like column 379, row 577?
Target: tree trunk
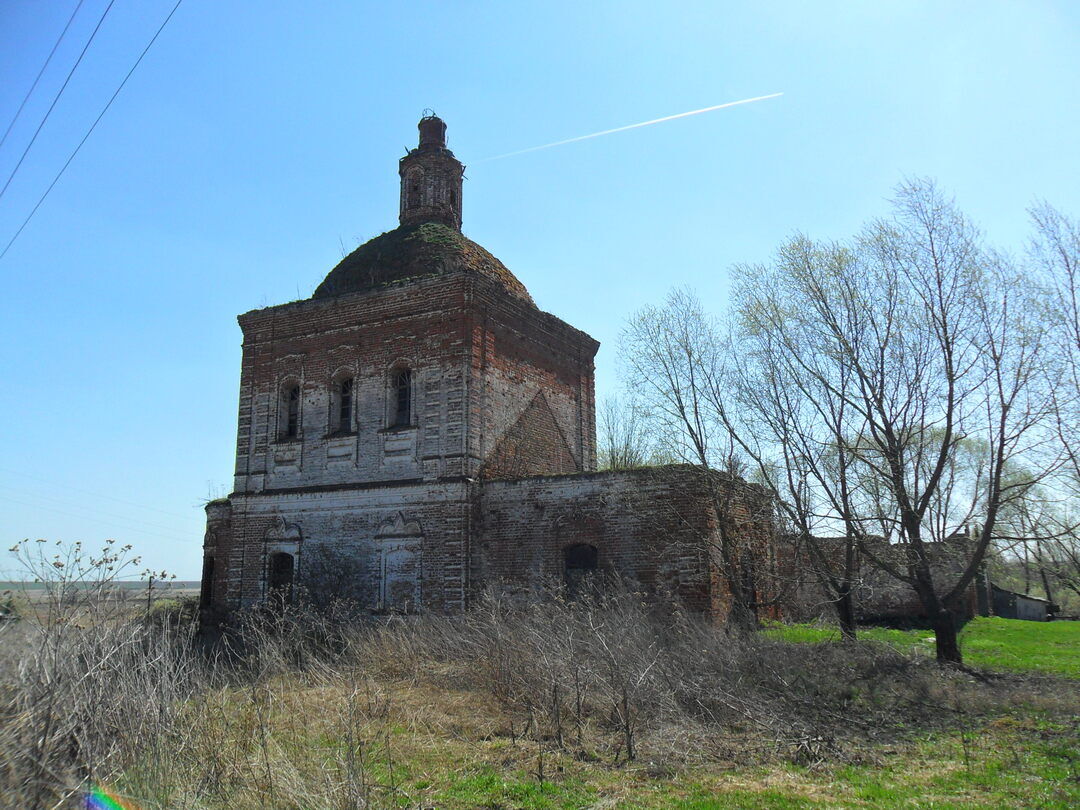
column 1042, row 573
column 946, row 637
column 741, row 619
column 845, row 613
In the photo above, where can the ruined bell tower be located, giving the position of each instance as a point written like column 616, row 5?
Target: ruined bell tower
column 431, row 178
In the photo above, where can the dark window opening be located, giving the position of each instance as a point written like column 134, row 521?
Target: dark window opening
column 206, row 592
column 292, row 412
column 580, row 562
column 345, row 405
column 402, row 398
column 280, row 577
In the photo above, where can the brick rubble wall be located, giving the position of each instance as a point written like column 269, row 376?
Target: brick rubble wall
column 655, row 526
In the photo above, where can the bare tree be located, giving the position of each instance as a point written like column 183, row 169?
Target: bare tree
column 729, row 406
column 923, row 355
column 1055, row 249
column 1040, row 537
column 787, row 423
column 673, row 362
column 622, row 442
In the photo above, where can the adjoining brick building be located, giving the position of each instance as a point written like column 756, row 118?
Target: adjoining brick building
column 422, row 429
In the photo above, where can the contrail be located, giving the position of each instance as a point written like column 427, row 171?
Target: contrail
column 632, row 126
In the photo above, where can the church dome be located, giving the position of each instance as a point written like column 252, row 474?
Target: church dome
column 428, row 241
column 415, row 251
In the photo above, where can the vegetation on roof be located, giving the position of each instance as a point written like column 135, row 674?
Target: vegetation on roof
column 413, row 252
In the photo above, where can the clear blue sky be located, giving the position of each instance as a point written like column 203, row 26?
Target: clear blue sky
column 258, row 138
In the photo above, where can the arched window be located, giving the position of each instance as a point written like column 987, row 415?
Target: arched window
column 279, row 577
column 580, row 563
column 290, row 412
column 414, row 188
column 206, row 592
column 401, row 398
column 342, row 416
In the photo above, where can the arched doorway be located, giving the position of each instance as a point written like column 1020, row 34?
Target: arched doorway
column 279, row 577
column 579, row 567
column 206, row 592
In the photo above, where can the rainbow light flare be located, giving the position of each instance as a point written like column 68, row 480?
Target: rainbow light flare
column 101, row 799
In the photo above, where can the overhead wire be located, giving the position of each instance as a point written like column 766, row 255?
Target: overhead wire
column 68, row 487
column 126, row 530
column 37, row 78
column 56, row 98
column 90, row 131
column 7, row 492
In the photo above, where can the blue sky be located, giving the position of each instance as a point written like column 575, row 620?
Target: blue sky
column 257, row 139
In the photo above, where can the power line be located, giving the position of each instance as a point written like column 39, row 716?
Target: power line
column 68, row 487
column 93, row 510
column 127, row 530
column 90, row 131
column 37, row 78
column 56, row 98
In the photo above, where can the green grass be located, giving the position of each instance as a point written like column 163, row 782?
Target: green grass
column 991, row 643
column 1016, row 761
column 427, row 744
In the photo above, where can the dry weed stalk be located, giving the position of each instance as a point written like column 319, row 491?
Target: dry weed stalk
column 304, row 708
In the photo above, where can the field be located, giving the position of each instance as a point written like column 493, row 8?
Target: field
column 991, row 643
column 442, row 748
column 614, row 705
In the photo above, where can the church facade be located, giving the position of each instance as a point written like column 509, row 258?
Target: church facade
column 419, row 430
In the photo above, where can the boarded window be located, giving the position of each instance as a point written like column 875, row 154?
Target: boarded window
column 206, row 592
column 402, row 398
column 291, row 407
column 279, row 578
column 580, row 564
column 399, row 590
column 345, row 405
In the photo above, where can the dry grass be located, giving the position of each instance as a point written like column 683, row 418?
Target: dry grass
column 527, row 703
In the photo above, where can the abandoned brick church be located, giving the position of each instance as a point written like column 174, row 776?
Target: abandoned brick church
column 421, row 427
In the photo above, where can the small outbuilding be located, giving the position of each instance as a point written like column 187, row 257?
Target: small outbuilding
column 1012, row 605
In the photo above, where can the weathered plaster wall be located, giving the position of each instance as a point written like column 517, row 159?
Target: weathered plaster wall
column 421, row 530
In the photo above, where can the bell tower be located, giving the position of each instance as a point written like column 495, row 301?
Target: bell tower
column 431, row 178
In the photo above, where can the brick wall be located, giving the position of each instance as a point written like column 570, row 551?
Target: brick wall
column 532, row 406
column 492, row 378
column 480, row 360
column 656, row 526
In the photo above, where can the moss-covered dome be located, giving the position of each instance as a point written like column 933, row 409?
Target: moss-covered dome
column 413, row 252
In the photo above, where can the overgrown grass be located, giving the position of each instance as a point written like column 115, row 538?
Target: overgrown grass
column 521, row 703
column 991, row 643
column 436, row 750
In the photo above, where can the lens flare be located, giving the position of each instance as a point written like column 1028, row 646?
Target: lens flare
column 101, row 799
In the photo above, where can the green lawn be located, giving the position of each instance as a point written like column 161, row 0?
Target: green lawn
column 993, row 643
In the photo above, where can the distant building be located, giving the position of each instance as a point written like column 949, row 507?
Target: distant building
column 879, row 597
column 418, row 429
column 1012, row 605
